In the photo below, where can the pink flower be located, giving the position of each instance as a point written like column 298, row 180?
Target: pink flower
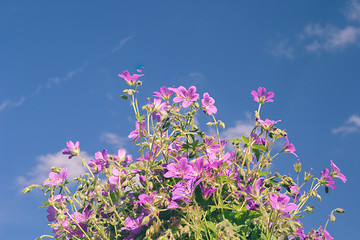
column 208, row 104
column 163, row 93
column 261, row 96
column 72, row 150
column 281, row 202
column 57, row 179
column 267, row 124
column 326, row 179
column 289, row 147
column 130, row 79
column 185, row 96
column 335, row 172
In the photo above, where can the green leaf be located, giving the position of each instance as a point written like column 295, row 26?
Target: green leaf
column 259, row 146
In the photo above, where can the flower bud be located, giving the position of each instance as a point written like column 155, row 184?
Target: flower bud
column 221, row 124
column 307, row 177
column 332, row 217
column 297, row 167
column 309, row 209
column 339, row 210
column 139, row 83
column 124, row 97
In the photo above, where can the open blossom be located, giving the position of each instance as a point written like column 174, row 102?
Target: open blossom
column 101, row 161
column 181, row 169
column 289, row 147
column 208, row 104
column 72, row 150
column 133, row 225
column 326, row 179
column 184, row 191
column 57, row 179
column 267, row 124
column 164, row 93
column 335, row 172
column 136, row 133
column 130, row 79
column 185, row 96
column 281, row 202
column 261, row 96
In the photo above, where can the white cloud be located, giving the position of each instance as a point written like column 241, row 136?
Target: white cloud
column 282, row 49
column 8, row 103
column 122, row 43
column 114, row 139
column 44, row 163
column 329, row 37
column 352, row 11
column 352, row 125
column 242, row 127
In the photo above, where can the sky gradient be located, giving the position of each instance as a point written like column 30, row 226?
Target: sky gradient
column 59, row 62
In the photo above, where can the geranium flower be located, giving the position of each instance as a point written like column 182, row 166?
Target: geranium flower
column 335, row 172
column 281, row 202
column 181, row 169
column 130, row 79
column 261, row 96
column 136, row 133
column 208, row 104
column 289, row 147
column 72, row 150
column 133, row 225
column 267, row 124
column 163, row 93
column 326, row 179
column 57, row 179
column 185, row 96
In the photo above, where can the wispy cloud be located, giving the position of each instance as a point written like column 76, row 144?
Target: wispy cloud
column 113, row 139
column 8, row 103
column 58, row 80
column 316, row 37
column 329, row 37
column 122, row 43
column 44, row 163
column 352, row 125
column 282, row 49
column 352, row 11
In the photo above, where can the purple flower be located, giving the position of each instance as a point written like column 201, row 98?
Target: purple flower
column 281, row 202
column 335, row 172
column 208, row 104
column 133, row 225
column 184, row 192
column 185, row 96
column 181, row 169
column 327, row 235
column 57, row 179
column 72, row 150
column 267, row 124
column 300, row 232
column 140, row 69
column 257, row 188
column 289, row 147
column 101, row 161
column 207, row 191
column 295, row 192
column 326, row 179
column 122, row 156
column 261, row 96
column 130, row 79
column 136, row 133
column 163, row 93
column 252, row 205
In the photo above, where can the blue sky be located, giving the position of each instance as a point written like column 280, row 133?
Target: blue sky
column 58, row 82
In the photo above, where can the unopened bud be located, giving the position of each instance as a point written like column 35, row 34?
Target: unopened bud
column 221, row 124
column 124, row 97
column 340, row 210
column 139, row 83
column 297, row 166
column 307, row 177
column 332, row 217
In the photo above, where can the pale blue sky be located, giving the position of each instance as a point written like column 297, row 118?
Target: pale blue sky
column 59, row 62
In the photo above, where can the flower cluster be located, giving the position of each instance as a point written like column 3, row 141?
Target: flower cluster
column 184, row 183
